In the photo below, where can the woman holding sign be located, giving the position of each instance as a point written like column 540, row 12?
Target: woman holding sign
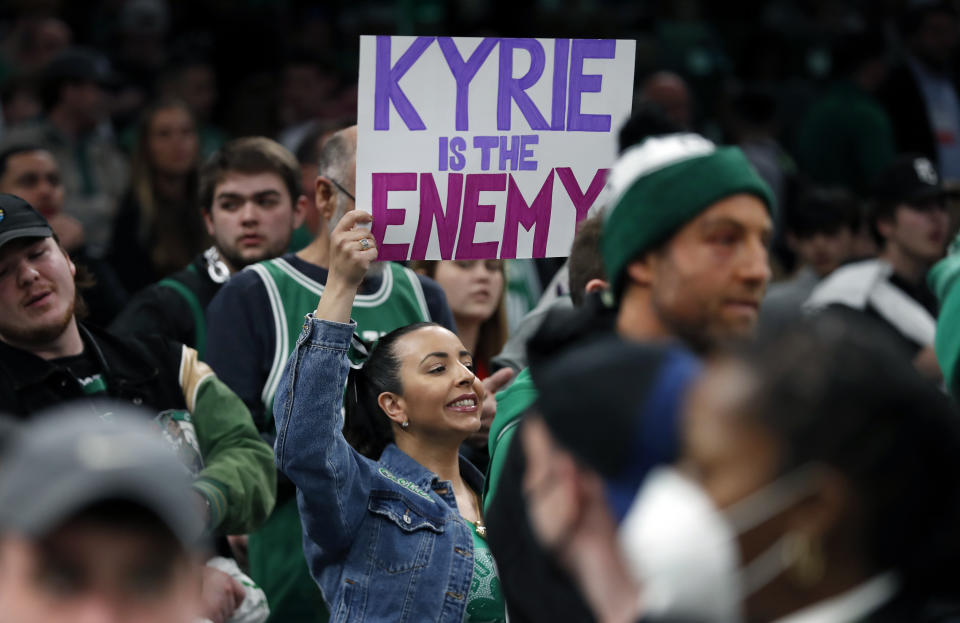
column 394, row 533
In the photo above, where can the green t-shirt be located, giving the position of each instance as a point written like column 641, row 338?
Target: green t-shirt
column 485, row 600
column 512, row 403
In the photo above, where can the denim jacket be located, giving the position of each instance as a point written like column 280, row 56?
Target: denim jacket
column 383, row 539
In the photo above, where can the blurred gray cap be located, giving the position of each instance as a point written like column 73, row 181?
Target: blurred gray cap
column 67, row 460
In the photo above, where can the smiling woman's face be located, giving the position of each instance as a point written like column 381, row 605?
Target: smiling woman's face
column 442, row 397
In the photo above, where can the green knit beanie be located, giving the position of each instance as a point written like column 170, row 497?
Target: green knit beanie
column 663, row 183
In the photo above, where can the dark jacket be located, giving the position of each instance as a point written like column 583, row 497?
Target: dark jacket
column 912, row 131
column 139, row 371
column 236, row 477
column 173, row 307
column 534, row 587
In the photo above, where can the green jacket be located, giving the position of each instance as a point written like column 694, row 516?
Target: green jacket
column 944, row 280
column 512, row 403
column 209, row 426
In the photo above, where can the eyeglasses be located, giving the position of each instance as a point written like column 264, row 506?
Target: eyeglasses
column 342, row 189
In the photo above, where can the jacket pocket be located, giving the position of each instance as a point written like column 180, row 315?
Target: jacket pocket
column 404, row 532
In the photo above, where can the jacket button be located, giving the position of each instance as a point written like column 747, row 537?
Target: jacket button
column 137, row 400
column 406, row 517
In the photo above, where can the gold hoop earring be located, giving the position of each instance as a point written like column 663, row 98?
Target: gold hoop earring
column 803, row 558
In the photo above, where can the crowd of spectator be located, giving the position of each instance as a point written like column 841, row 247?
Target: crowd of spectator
column 735, row 400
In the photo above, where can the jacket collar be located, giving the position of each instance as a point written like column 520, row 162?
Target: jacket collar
column 402, row 465
column 24, row 368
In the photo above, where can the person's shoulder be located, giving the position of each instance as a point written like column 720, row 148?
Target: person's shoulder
column 136, row 350
column 849, row 285
column 242, row 283
column 428, row 284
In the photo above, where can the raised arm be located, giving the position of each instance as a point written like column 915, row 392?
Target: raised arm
column 332, row 479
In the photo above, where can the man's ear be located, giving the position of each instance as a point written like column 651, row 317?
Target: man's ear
column 208, row 221
column 394, row 406
column 326, row 204
column 300, row 207
column 885, row 226
column 596, row 285
column 827, row 506
column 642, row 270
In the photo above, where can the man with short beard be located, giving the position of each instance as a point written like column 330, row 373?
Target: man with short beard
column 251, row 201
column 49, row 357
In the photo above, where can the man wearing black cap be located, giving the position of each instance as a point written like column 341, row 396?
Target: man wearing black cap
column 48, row 357
column 686, row 263
column 95, row 172
column 97, row 524
column 911, row 223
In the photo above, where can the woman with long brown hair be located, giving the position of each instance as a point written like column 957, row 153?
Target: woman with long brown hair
column 159, row 229
column 475, row 292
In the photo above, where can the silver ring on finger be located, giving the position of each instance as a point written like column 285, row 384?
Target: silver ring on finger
column 364, row 244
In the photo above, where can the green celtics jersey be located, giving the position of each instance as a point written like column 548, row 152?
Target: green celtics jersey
column 398, row 301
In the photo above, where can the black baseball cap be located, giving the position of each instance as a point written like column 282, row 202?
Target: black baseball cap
column 79, row 64
column 616, row 406
column 909, row 179
column 18, row 219
column 68, row 460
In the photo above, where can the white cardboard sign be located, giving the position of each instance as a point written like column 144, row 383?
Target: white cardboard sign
column 479, row 148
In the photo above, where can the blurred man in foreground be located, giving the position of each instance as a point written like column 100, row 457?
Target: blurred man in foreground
column 97, row 524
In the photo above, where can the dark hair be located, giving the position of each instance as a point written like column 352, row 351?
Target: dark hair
column 648, row 119
column 17, row 83
column 495, row 330
column 14, row 150
column 252, row 154
column 366, row 427
column 853, row 52
column 171, row 233
column 821, row 210
column 833, row 391
column 586, row 262
column 128, row 515
column 308, row 150
column 912, row 19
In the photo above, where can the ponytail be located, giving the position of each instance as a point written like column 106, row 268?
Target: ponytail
column 365, row 426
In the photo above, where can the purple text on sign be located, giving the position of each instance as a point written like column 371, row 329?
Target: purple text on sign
column 388, row 90
column 383, row 184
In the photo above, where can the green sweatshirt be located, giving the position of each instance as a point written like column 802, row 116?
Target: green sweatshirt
column 944, row 280
column 238, row 477
column 512, row 403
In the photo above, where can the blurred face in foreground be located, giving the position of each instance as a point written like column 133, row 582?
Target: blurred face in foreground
column 804, row 517
column 707, row 281
column 88, row 572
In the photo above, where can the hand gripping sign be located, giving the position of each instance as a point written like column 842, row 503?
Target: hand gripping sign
column 473, row 148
